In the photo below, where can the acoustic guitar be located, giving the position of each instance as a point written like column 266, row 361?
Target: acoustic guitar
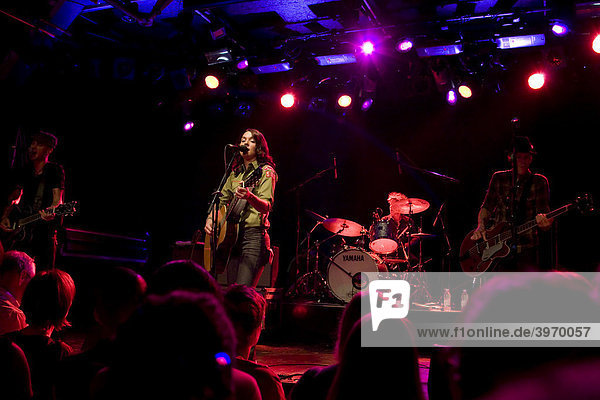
column 227, row 226
column 476, row 257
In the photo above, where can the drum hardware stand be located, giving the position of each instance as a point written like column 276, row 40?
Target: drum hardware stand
column 419, row 282
column 318, row 290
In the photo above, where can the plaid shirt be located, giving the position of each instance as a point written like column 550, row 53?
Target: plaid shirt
column 535, row 201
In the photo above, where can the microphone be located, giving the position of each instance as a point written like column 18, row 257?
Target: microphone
column 398, row 163
column 334, row 167
column 242, row 148
column 438, row 214
column 515, row 123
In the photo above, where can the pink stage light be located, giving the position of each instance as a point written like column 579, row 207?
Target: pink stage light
column 596, row 44
column 536, row 81
column 188, row 126
column 288, row 100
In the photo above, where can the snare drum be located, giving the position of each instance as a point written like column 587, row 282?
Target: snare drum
column 382, row 236
column 344, row 272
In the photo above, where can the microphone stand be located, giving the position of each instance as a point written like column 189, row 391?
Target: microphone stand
column 214, row 209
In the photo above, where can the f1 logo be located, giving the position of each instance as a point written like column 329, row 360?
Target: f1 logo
column 389, row 299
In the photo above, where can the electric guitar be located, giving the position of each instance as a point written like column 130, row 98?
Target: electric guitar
column 476, row 257
column 22, row 219
column 227, row 226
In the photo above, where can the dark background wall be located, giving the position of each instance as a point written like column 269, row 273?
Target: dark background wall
column 133, row 170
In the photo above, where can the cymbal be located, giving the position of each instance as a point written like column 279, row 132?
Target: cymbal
column 343, row 227
column 412, row 205
column 422, row 235
column 316, row 216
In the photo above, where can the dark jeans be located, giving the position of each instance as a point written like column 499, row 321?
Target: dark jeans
column 249, row 256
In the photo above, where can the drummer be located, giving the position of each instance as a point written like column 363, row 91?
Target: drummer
column 403, row 221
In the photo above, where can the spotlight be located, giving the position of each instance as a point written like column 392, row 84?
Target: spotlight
column 367, row 48
column 465, row 91
column 451, row 97
column 188, row 126
column 404, row 45
column 211, row 81
column 242, row 64
column 366, row 104
column 560, row 29
column 536, row 81
column 287, row 100
column 596, row 44
column 344, row 101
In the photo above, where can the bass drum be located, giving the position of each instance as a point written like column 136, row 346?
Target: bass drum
column 344, row 272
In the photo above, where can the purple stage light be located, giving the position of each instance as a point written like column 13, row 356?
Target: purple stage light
column 451, row 97
column 242, row 64
column 188, row 126
column 560, row 29
column 366, row 104
column 404, row 46
column 367, row 48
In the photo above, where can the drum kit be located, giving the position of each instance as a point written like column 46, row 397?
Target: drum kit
column 384, row 247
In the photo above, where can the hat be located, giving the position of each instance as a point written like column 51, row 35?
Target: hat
column 523, row 145
column 45, row 138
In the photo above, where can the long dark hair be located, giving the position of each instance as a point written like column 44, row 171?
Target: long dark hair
column 262, row 151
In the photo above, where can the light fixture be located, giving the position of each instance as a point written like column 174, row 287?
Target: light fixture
column 537, row 80
column 288, row 100
column 404, row 45
column 211, row 81
column 344, row 101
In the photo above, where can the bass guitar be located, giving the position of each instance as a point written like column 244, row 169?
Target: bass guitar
column 227, row 226
column 476, row 257
column 21, row 220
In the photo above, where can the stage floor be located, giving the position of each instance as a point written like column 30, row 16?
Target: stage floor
column 290, row 361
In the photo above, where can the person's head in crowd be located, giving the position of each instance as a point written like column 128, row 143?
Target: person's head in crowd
column 15, row 376
column 246, row 309
column 48, row 299
column 118, row 293
column 176, row 346
column 552, row 297
column 557, row 381
column 353, row 312
column 183, row 275
column 16, row 271
column 375, row 372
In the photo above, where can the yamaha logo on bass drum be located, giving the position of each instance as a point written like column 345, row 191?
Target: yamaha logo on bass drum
column 353, row 257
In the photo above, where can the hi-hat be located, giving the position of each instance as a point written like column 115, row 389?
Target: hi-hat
column 343, row 227
column 412, row 205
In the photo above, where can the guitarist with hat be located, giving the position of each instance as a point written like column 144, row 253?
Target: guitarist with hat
column 531, row 201
column 249, row 193
column 37, row 187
